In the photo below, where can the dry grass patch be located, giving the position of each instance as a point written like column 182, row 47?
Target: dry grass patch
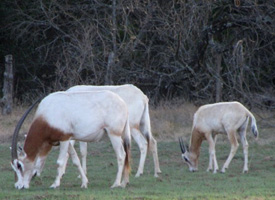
column 170, row 120
column 8, row 123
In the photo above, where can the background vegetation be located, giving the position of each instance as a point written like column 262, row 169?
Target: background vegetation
column 177, row 50
column 201, row 51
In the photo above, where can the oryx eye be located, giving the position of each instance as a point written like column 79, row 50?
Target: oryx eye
column 19, row 166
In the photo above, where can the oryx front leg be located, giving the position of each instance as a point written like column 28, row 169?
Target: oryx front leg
column 142, row 144
column 120, row 154
column 212, row 154
column 61, row 161
column 76, row 162
column 65, row 164
column 83, row 152
column 39, row 165
column 67, row 158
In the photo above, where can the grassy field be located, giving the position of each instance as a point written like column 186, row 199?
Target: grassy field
column 175, row 182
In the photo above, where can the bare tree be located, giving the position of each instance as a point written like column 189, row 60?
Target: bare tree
column 186, row 49
column 7, row 100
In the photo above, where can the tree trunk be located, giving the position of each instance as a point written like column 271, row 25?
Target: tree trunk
column 112, row 55
column 218, row 77
column 108, row 76
column 6, row 101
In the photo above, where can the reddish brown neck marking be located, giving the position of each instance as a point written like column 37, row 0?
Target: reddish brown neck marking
column 41, row 137
column 196, row 140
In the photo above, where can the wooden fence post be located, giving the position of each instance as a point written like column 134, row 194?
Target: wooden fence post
column 6, row 101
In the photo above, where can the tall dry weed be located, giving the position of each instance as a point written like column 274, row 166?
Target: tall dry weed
column 169, row 120
column 9, row 122
column 172, row 119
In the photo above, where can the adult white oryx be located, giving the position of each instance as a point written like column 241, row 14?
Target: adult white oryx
column 139, row 120
column 62, row 116
column 226, row 118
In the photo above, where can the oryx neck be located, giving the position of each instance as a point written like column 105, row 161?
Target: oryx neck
column 195, row 143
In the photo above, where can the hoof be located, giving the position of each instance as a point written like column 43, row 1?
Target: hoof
column 156, row 175
column 215, row 171
column 115, row 186
column 84, row 186
column 209, row 170
column 20, row 186
column 124, row 184
column 138, row 174
column 54, row 186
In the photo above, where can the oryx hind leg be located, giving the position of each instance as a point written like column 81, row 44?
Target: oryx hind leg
column 154, row 150
column 83, row 152
column 145, row 129
column 120, row 154
column 234, row 147
column 242, row 133
column 142, row 144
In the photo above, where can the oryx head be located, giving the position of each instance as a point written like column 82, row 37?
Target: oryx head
column 24, row 170
column 188, row 157
column 20, row 163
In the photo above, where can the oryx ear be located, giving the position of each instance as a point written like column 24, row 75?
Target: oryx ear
column 21, row 153
column 19, row 150
column 187, row 148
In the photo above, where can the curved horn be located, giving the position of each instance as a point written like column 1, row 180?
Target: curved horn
column 182, row 147
column 17, row 128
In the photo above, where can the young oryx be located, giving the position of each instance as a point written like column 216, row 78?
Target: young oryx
column 139, row 120
column 62, row 116
column 227, row 118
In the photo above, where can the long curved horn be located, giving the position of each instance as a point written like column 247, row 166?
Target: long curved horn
column 182, row 147
column 17, row 128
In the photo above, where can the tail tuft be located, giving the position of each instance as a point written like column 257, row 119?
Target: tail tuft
column 255, row 131
column 254, row 128
column 127, row 147
column 145, row 125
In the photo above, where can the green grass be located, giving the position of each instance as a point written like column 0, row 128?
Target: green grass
column 175, row 182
